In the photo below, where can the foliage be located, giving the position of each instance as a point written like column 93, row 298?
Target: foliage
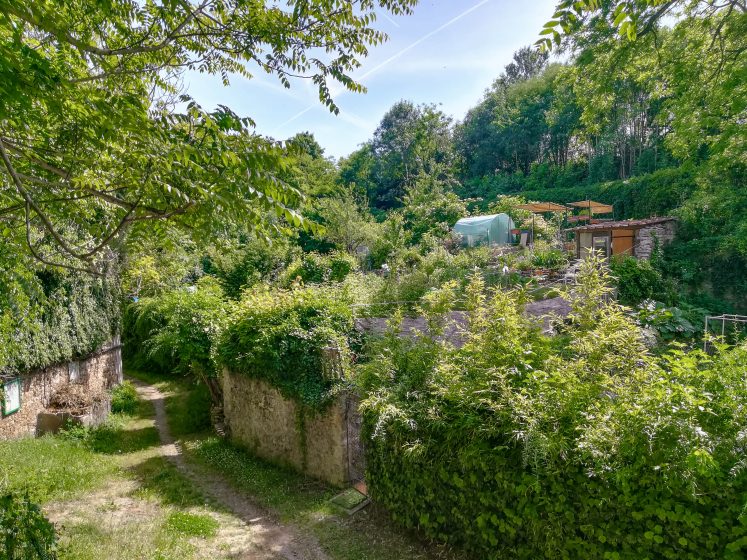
column 92, row 143
column 639, row 280
column 246, row 261
column 601, row 451
column 411, row 142
column 313, row 268
column 347, row 226
column 683, row 322
column 548, row 257
column 24, row 531
column 429, row 208
column 125, row 398
column 281, row 337
column 173, row 332
column 49, row 317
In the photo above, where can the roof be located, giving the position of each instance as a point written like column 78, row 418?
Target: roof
column 478, row 219
column 624, row 224
column 541, row 207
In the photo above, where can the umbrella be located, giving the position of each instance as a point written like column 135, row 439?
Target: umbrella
column 593, row 207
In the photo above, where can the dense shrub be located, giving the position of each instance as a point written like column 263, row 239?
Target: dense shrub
column 313, row 268
column 671, row 323
column 173, row 332
column 241, row 265
column 24, row 531
column 125, row 398
column 656, row 194
column 51, row 317
column 280, row 336
column 638, row 280
column 514, row 452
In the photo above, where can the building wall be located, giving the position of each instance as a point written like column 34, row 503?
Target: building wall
column 100, row 371
column 646, row 237
column 279, row 430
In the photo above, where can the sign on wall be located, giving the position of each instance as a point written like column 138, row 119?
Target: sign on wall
column 11, row 396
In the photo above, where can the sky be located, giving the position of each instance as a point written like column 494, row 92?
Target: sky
column 448, row 52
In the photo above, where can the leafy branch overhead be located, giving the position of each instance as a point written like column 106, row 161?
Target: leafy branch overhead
column 96, row 139
column 578, row 20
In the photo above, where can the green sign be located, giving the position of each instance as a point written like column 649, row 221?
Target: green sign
column 11, row 396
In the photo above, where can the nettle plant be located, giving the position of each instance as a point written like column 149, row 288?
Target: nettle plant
column 583, row 446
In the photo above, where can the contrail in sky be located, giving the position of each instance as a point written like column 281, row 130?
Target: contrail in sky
column 392, row 58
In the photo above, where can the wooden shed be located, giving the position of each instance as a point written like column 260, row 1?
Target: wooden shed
column 626, row 237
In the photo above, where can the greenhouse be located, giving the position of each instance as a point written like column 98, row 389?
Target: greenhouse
column 494, row 229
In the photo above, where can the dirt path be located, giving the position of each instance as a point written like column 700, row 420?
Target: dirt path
column 273, row 540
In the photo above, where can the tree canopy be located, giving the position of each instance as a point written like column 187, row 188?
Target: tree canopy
column 96, row 137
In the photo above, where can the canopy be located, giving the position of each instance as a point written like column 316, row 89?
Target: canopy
column 543, row 207
column 593, row 207
column 492, row 229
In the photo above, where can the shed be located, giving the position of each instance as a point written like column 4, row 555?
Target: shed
column 493, row 229
column 626, row 237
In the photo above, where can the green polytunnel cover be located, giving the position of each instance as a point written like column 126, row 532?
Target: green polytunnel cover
column 494, row 229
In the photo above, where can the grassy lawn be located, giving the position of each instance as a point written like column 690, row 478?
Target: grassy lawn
column 111, row 495
column 297, row 500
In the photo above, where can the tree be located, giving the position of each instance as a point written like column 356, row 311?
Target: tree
column 409, row 142
column 91, row 140
column 587, row 21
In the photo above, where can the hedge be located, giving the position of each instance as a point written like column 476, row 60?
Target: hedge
column 516, row 446
column 280, row 336
column 54, row 317
column 655, row 194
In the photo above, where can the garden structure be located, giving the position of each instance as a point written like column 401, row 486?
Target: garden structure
column 636, row 238
column 492, row 229
column 39, row 401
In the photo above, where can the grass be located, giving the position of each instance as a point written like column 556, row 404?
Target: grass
column 192, row 524
column 368, row 535
column 113, row 495
column 51, row 468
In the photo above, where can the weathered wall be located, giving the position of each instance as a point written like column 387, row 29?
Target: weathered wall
column 100, row 371
column 281, row 431
column 645, row 238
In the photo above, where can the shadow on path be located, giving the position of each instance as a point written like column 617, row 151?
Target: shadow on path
column 274, row 541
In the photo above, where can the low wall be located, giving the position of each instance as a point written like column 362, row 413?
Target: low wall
column 324, row 445
column 99, row 371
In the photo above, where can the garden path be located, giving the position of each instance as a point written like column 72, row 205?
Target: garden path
column 273, row 539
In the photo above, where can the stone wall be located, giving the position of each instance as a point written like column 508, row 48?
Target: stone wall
column 98, row 372
column 645, row 238
column 324, row 445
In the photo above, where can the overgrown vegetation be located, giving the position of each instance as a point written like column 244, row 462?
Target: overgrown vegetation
column 508, row 449
column 297, row 340
column 50, row 317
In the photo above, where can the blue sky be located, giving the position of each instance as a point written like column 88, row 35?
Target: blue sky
column 447, row 52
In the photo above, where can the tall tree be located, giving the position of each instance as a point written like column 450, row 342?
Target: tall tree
column 409, row 142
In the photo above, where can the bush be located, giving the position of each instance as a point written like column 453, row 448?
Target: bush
column 173, row 332
column 280, row 336
column 638, row 280
column 24, row 531
column 515, row 449
column 125, row 398
column 671, row 322
column 313, row 268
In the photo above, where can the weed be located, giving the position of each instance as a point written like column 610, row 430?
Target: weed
column 125, row 398
column 192, row 524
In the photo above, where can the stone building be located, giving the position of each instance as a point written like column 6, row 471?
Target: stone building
column 636, row 238
column 27, row 396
